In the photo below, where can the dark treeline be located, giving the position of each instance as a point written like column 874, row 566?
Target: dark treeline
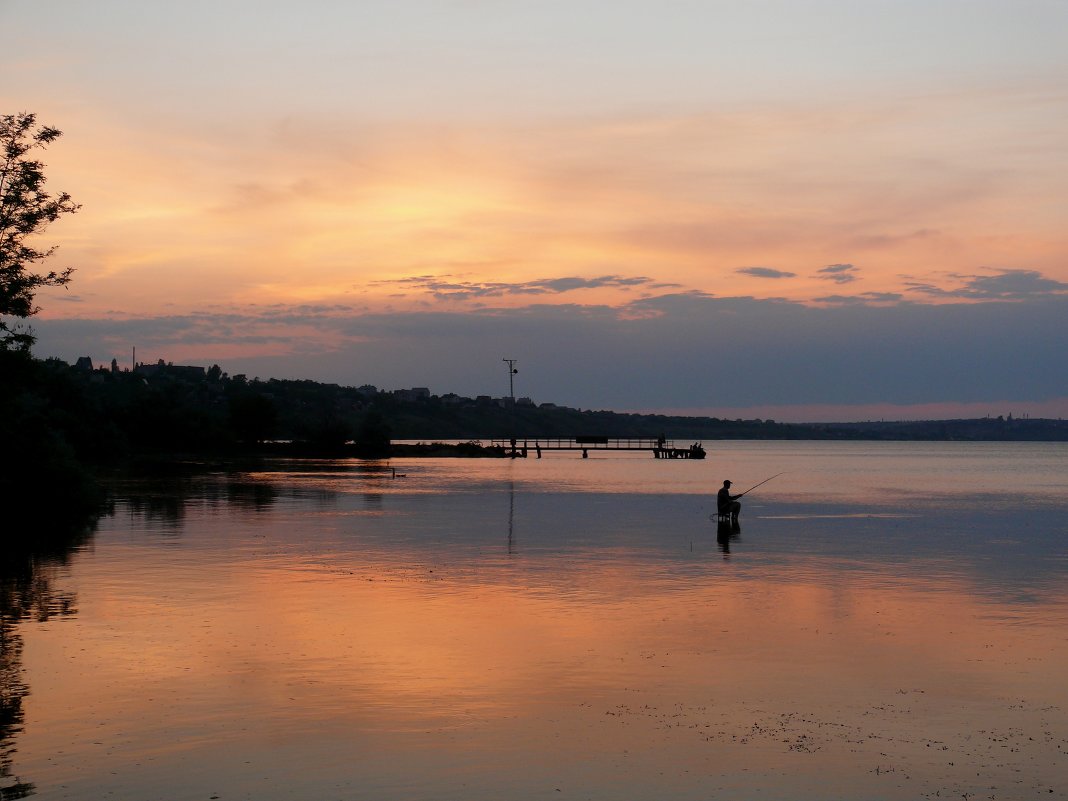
column 61, row 425
column 431, row 419
column 104, row 416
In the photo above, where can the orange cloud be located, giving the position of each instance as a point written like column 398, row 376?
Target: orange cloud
column 293, row 213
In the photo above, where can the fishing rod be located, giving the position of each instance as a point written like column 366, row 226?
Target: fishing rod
column 765, row 481
column 733, row 497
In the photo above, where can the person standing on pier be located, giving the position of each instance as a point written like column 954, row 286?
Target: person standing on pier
column 727, row 503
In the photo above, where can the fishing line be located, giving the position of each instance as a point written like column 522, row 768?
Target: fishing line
column 765, row 481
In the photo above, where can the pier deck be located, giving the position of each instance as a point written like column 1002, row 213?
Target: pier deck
column 659, row 447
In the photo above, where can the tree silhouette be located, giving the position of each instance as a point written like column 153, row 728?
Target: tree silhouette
column 373, row 437
column 253, row 418
column 26, row 209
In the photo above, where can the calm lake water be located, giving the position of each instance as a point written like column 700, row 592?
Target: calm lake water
column 890, row 622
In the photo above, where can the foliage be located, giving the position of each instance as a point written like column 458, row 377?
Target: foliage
column 373, row 436
column 253, row 418
column 26, row 209
column 45, row 424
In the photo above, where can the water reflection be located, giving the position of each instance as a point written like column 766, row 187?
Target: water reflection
column 163, row 502
column 372, row 501
column 29, row 590
column 511, row 517
column 341, row 633
column 253, row 496
column 727, row 532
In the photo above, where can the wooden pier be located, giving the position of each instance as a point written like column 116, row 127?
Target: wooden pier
column 659, row 447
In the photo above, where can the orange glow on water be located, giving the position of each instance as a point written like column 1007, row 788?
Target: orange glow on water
column 412, row 643
column 421, row 634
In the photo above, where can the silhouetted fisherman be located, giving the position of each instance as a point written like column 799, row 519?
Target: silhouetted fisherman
column 727, row 503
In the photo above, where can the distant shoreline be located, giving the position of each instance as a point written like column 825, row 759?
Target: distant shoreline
column 162, row 463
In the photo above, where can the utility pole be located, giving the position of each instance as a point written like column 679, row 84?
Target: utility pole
column 511, row 393
column 511, row 380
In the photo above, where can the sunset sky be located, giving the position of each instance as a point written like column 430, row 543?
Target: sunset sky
column 836, row 209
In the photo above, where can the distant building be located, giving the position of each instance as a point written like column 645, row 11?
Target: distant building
column 148, row 370
column 412, row 395
column 367, row 390
column 524, row 402
column 177, row 371
column 84, row 364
